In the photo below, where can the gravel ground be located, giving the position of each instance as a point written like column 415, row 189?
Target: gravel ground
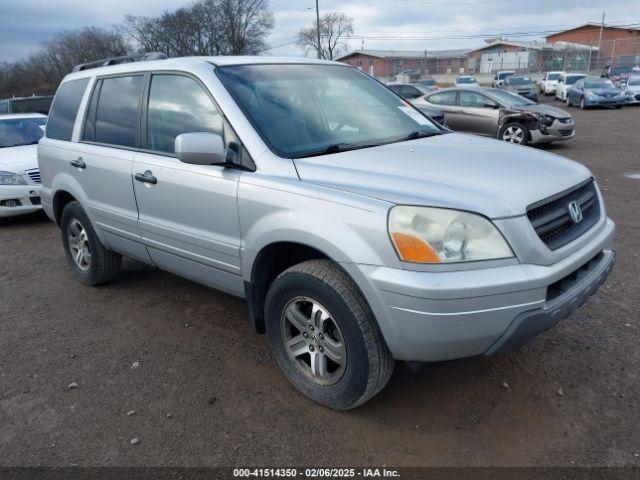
column 177, row 366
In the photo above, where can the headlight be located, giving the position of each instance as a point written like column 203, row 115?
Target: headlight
column 591, row 95
column 8, row 178
column 438, row 235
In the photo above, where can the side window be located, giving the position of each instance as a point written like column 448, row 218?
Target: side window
column 443, row 98
column 117, row 111
column 65, row 106
column 178, row 104
column 472, row 99
column 4, row 106
column 411, row 92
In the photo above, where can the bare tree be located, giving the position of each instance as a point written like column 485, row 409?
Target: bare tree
column 207, row 27
column 335, row 28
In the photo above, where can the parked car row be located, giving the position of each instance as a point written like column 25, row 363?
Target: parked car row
column 19, row 174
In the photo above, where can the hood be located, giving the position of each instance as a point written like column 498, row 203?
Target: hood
column 544, row 109
column 19, row 159
column 452, row 170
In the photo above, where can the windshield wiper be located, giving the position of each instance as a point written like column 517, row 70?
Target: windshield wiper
column 336, row 148
column 420, row 134
column 27, row 143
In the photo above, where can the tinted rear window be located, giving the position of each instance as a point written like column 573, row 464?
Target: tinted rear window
column 65, row 108
column 117, row 116
column 32, row 105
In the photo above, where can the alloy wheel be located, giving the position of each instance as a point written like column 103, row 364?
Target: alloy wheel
column 313, row 340
column 513, row 134
column 79, row 245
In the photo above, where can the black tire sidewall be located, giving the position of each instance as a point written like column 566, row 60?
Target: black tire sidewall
column 349, row 389
column 74, row 210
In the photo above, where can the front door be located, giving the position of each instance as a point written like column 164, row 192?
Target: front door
column 188, row 214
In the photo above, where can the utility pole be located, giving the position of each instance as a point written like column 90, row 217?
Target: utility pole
column 318, row 27
column 600, row 39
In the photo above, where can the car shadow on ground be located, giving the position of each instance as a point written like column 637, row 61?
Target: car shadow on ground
column 28, row 221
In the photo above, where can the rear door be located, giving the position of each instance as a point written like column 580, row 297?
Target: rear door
column 478, row 115
column 447, row 102
column 104, row 160
column 188, row 215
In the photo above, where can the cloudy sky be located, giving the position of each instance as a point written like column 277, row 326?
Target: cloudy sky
column 391, row 24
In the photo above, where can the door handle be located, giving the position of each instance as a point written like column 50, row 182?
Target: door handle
column 79, row 163
column 146, row 177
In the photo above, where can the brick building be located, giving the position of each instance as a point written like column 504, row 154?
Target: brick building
column 616, row 41
column 389, row 63
column 527, row 57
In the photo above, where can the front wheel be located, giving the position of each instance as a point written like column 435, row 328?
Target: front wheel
column 583, row 105
column 91, row 262
column 324, row 336
column 514, row 133
column 568, row 101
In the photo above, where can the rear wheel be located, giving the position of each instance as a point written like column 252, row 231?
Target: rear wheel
column 324, row 336
column 91, row 262
column 514, row 133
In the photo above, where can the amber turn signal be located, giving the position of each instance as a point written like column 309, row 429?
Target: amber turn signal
column 414, row 249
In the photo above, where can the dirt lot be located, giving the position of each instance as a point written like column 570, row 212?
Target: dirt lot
column 165, row 347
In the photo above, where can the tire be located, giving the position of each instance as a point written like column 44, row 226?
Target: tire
column 568, row 102
column 583, row 106
column 517, row 133
column 350, row 333
column 79, row 239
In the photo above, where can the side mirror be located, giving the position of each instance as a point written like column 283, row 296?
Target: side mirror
column 201, row 148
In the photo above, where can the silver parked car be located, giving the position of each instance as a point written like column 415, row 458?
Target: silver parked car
column 359, row 232
column 501, row 114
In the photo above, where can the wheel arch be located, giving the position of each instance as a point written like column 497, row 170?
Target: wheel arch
column 271, row 261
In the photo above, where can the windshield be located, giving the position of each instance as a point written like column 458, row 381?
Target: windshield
column 599, row 83
column 553, row 76
column 304, row 110
column 509, row 98
column 621, row 70
column 503, row 75
column 21, row 131
column 571, row 79
column 466, row 80
column 520, row 81
column 429, row 82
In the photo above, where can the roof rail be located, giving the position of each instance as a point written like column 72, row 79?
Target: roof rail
column 117, row 60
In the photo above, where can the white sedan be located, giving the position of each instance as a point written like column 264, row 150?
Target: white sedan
column 549, row 82
column 20, row 182
column 466, row 81
column 565, row 81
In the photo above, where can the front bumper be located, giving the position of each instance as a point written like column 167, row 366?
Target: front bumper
column 26, row 197
column 633, row 98
column 432, row 316
column 604, row 101
column 557, row 131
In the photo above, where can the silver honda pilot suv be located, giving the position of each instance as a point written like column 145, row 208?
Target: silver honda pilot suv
column 357, row 230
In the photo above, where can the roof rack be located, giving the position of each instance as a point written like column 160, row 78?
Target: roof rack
column 117, row 60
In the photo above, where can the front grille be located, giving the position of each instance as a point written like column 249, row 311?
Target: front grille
column 552, row 221
column 34, row 175
column 565, row 284
column 566, row 132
